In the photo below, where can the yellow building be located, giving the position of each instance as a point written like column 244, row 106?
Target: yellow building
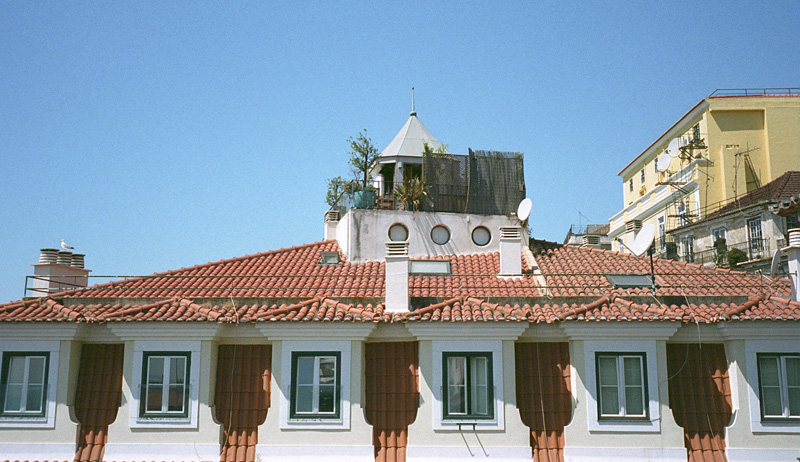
column 730, row 143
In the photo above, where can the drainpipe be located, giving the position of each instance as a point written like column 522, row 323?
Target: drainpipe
column 510, row 251
column 793, row 255
column 397, row 277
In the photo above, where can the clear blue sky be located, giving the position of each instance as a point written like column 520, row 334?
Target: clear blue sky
column 157, row 135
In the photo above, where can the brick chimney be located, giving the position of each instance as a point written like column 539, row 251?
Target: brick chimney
column 793, row 255
column 397, row 276
column 510, row 251
column 57, row 271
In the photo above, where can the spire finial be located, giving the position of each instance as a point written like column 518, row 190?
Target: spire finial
column 413, row 111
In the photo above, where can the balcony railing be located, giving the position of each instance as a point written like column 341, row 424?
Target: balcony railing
column 754, row 249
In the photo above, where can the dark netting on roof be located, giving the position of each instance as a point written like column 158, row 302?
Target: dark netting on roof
column 483, row 182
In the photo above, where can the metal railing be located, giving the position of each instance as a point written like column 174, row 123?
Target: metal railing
column 754, row 249
column 754, row 91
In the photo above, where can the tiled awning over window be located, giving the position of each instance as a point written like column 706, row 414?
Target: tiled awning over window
column 242, row 398
column 97, row 398
column 544, row 397
column 392, row 399
column 700, row 398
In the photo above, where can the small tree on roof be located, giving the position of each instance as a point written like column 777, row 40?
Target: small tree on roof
column 362, row 155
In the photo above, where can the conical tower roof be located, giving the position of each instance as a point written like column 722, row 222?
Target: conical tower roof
column 410, row 139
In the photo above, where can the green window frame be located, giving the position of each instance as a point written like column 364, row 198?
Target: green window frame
column 24, row 383
column 316, row 385
column 467, row 381
column 165, row 370
column 779, row 386
column 621, row 386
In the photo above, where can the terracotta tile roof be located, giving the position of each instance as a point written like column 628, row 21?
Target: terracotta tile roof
column 700, row 398
column 392, row 396
column 544, row 397
column 290, row 285
column 778, row 190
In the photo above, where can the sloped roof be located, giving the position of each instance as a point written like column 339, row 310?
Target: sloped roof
column 290, row 285
column 782, row 188
column 410, row 140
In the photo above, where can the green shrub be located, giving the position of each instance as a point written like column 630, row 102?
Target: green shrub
column 736, row 256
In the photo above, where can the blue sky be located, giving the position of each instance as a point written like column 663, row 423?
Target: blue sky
column 159, row 135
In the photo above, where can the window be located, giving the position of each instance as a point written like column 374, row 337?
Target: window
column 662, row 233
column 468, row 385
column 630, row 185
column 24, row 384
column 481, row 236
column 165, row 385
column 621, row 386
column 315, row 385
column 429, row 267
column 779, row 386
column 687, row 247
column 756, row 242
column 792, row 222
column 398, row 232
column 440, row 234
column 642, row 176
column 696, row 133
column 682, row 219
column 719, row 234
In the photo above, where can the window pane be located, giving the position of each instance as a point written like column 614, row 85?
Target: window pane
column 13, row 398
column 634, row 404
column 456, row 399
column 175, row 399
column 608, row 371
column 304, row 401
column 153, row 398
column 609, row 401
column 771, row 397
column 456, row 370
column 16, row 369
column 794, row 401
column 155, row 370
column 34, row 398
column 480, row 400
column 633, row 371
column 768, row 368
column 327, row 396
column 36, row 370
column 327, row 371
column 480, row 371
column 305, row 371
column 793, row 371
column 177, row 370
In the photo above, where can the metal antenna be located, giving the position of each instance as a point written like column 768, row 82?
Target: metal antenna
column 413, row 111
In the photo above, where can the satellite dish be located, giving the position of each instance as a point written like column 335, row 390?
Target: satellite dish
column 644, row 239
column 674, row 147
column 524, row 209
column 662, row 164
column 776, row 261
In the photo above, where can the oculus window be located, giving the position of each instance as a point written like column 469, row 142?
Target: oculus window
column 481, row 236
column 440, row 234
column 621, row 386
column 315, row 385
column 779, row 386
column 24, row 384
column 398, row 232
column 165, row 385
column 469, row 392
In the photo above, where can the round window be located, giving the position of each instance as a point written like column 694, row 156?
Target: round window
column 398, row 232
column 481, row 236
column 440, row 234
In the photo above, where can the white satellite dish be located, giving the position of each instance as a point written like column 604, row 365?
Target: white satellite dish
column 524, row 209
column 644, row 239
column 663, row 161
column 674, row 147
column 776, row 261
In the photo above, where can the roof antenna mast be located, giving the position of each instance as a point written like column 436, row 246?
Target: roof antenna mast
column 413, row 111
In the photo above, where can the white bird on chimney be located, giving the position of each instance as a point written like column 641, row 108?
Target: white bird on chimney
column 65, row 246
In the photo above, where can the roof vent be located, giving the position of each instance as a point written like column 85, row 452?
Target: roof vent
column 48, row 256
column 591, row 239
column 64, row 258
column 331, row 222
column 633, row 225
column 397, row 249
column 77, row 260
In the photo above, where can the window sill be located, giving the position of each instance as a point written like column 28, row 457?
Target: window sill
column 26, row 422
column 316, row 424
column 777, row 426
column 163, row 422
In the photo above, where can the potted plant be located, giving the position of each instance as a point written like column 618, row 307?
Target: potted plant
column 362, row 156
column 410, row 193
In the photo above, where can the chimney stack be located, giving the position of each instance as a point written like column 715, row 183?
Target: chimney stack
column 397, row 277
column 57, row 271
column 510, row 251
column 632, row 229
column 331, row 222
column 793, row 254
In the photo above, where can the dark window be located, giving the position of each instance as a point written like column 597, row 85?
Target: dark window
column 165, row 385
column 621, row 386
column 24, row 384
column 316, row 385
column 468, row 388
column 779, row 386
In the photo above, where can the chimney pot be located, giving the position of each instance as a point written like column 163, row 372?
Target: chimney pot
column 48, row 256
column 64, row 258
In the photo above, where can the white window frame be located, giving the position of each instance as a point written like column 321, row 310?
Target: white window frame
column 788, row 345
column 342, row 422
column 144, row 421
column 166, row 384
column 783, row 386
column 53, row 349
column 494, row 348
column 719, row 232
column 622, row 386
column 755, row 243
column 633, row 346
column 317, row 357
